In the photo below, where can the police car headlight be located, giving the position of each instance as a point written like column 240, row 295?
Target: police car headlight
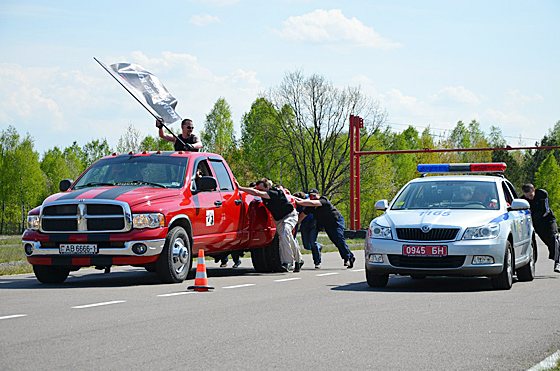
column 377, row 231
column 485, row 232
column 154, row 220
column 33, row 222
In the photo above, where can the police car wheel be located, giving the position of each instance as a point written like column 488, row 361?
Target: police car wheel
column 377, row 280
column 50, row 274
column 504, row 280
column 527, row 272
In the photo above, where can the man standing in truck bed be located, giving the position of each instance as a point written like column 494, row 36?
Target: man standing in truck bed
column 285, row 217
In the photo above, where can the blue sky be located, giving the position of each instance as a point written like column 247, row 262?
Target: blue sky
column 429, row 63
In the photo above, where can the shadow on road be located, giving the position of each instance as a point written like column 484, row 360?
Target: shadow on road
column 131, row 277
column 398, row 284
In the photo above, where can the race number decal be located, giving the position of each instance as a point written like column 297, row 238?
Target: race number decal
column 209, row 218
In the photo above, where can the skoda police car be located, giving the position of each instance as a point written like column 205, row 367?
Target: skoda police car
column 453, row 225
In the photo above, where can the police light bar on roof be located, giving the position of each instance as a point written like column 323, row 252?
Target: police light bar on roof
column 490, row 167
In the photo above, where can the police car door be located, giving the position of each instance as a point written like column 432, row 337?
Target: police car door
column 517, row 222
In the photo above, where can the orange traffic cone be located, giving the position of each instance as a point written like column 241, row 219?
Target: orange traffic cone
column 200, row 280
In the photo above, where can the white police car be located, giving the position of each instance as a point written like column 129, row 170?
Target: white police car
column 465, row 225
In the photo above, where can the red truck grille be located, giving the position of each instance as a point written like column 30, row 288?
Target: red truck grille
column 81, row 216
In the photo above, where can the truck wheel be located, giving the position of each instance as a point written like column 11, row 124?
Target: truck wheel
column 504, row 280
column 376, row 280
column 527, row 272
column 51, row 274
column 150, row 267
column 175, row 260
column 267, row 259
column 273, row 256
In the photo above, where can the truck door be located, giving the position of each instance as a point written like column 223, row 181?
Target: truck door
column 233, row 208
column 207, row 214
column 517, row 223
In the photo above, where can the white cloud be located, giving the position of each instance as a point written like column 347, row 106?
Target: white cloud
column 332, row 27
column 456, row 94
column 203, row 20
column 58, row 107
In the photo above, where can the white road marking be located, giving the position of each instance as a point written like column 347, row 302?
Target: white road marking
column 177, row 293
column 326, row 274
column 14, row 316
column 99, row 304
column 288, row 279
column 548, row 363
column 358, row 270
column 237, row 286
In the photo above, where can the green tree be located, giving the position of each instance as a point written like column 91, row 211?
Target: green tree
column 150, row 143
column 218, row 135
column 55, row 168
column 547, row 177
column 94, row 150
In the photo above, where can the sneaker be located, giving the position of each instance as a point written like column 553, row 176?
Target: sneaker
column 285, row 267
column 237, row 264
column 298, row 266
column 351, row 262
column 223, row 265
column 557, row 267
column 317, row 266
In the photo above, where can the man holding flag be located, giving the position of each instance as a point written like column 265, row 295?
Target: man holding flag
column 191, row 142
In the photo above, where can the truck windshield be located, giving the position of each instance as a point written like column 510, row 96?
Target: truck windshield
column 448, row 195
column 156, row 171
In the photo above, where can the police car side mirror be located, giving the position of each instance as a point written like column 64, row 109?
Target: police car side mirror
column 381, row 205
column 519, row 204
column 65, row 184
column 206, row 183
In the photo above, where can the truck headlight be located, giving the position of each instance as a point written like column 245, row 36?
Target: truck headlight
column 377, row 231
column 484, row 232
column 154, row 220
column 33, row 222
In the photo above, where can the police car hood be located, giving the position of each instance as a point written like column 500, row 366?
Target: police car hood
column 439, row 218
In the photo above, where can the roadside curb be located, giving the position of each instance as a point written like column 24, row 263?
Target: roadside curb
column 548, row 363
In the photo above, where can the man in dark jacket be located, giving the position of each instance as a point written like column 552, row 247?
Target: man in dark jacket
column 191, row 141
column 330, row 219
column 544, row 221
column 285, row 218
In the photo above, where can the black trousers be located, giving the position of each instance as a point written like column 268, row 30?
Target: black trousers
column 547, row 231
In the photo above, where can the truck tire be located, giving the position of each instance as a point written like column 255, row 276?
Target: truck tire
column 267, row 259
column 175, row 260
column 527, row 272
column 504, row 280
column 51, row 274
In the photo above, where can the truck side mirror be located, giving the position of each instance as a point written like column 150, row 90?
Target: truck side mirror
column 206, row 183
column 65, row 184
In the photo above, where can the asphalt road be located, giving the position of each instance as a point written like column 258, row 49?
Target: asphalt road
column 327, row 319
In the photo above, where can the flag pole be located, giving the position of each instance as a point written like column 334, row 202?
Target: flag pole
column 116, row 77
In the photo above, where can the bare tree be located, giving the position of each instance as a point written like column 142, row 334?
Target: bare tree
column 130, row 141
column 314, row 116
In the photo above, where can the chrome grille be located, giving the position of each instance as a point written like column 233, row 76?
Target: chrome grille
column 81, row 216
column 435, row 234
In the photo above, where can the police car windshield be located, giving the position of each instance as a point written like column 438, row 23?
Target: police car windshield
column 444, row 194
column 155, row 170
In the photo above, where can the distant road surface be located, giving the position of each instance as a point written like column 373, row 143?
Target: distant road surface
column 318, row 319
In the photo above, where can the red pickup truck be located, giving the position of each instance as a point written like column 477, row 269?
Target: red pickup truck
column 150, row 209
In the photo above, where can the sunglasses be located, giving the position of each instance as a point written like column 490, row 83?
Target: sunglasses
column 189, row 127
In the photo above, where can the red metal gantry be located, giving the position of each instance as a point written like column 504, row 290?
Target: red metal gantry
column 356, row 123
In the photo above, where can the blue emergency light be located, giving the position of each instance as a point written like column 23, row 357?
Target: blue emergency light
column 489, row 167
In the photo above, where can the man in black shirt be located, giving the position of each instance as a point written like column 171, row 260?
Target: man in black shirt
column 192, row 142
column 544, row 220
column 285, row 218
column 329, row 218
